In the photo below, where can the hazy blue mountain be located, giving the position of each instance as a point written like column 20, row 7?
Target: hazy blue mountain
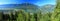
column 9, row 5
column 29, row 7
column 26, row 6
column 23, row 5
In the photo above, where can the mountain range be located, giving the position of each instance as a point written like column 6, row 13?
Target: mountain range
column 29, row 7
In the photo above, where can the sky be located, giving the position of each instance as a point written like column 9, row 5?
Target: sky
column 36, row 2
column 42, row 2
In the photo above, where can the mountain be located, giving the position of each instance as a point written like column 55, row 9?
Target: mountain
column 23, row 5
column 47, row 8
column 8, row 5
column 29, row 7
column 26, row 6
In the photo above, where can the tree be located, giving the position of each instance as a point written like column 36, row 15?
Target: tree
column 55, row 16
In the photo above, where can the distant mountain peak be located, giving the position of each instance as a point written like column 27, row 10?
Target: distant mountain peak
column 26, row 4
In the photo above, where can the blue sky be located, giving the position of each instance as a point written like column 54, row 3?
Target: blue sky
column 42, row 2
column 37, row 2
